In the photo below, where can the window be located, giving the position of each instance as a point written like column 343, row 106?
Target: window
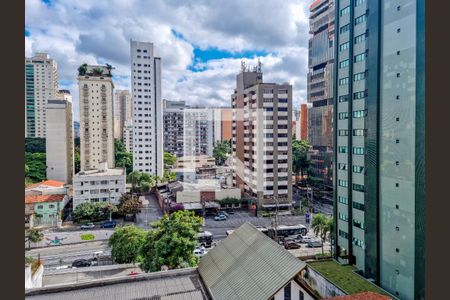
column 343, row 200
column 343, row 64
column 287, row 292
column 343, row 183
column 342, row 149
column 361, row 19
column 51, row 206
column 359, row 2
column 343, row 234
column 359, row 113
column 343, row 81
column 358, row 242
column 343, row 217
column 40, row 207
column 360, row 57
column 359, row 76
column 360, row 95
column 343, row 115
column 359, row 132
column 358, row 187
column 358, row 224
column 358, row 169
column 358, row 150
column 345, row 11
column 343, row 98
column 343, row 132
column 358, row 206
column 361, row 38
column 344, row 46
column 342, row 166
column 344, row 28
column 398, row 30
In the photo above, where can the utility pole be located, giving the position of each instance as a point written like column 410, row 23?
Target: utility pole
column 109, row 200
column 276, row 219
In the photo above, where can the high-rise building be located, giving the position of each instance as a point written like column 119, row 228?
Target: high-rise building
column 174, row 127
column 96, row 116
column 128, row 136
column 226, row 124
column 379, row 138
column 262, row 139
column 41, row 84
column 147, row 109
column 198, row 131
column 59, row 138
column 303, row 122
column 320, row 88
column 123, row 112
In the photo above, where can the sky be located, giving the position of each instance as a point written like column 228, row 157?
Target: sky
column 201, row 42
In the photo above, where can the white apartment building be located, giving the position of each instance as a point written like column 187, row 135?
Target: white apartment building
column 148, row 155
column 174, row 127
column 41, row 84
column 96, row 116
column 101, row 185
column 59, row 138
column 123, row 105
column 128, row 136
column 198, row 127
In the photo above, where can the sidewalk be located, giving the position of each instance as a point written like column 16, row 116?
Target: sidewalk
column 71, row 237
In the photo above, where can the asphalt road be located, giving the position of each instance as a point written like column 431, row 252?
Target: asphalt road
column 55, row 256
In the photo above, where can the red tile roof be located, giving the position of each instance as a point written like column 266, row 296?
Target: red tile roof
column 362, row 296
column 51, row 183
column 314, row 4
column 43, row 198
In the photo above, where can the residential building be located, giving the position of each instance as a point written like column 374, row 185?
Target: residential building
column 379, row 137
column 147, row 109
column 76, row 129
column 44, row 202
column 41, row 84
column 320, row 88
column 96, row 116
column 198, row 131
column 303, row 122
column 192, row 162
column 226, row 124
column 128, row 136
column 296, row 124
column 99, row 185
column 59, row 140
column 173, row 127
column 262, row 139
column 123, row 113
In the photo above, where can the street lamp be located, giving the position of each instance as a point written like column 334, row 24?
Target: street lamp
column 109, row 200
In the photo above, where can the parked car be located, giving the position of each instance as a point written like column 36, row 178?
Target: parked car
column 305, row 239
column 220, row 218
column 199, row 252
column 315, row 243
column 79, row 263
column 223, row 213
column 291, row 245
column 230, row 211
column 108, row 224
column 87, row 226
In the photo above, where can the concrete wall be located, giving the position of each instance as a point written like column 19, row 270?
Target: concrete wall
column 232, row 193
column 33, row 280
column 325, row 288
column 295, row 293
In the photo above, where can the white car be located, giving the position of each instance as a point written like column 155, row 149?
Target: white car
column 199, row 252
column 306, row 239
column 87, row 226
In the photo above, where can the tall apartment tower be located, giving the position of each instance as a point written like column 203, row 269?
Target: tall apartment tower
column 262, row 139
column 174, row 127
column 320, row 88
column 379, row 137
column 226, row 124
column 96, row 116
column 123, row 113
column 198, row 128
column 147, row 109
column 59, row 138
column 303, row 122
column 128, row 136
column 41, row 84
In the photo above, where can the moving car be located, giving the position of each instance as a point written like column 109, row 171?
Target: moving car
column 315, row 243
column 220, row 218
column 108, row 224
column 79, row 263
column 87, row 226
column 291, row 245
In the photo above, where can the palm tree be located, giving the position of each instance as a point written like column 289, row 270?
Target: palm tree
column 321, row 225
column 134, row 178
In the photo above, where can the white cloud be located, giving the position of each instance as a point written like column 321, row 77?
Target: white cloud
column 74, row 32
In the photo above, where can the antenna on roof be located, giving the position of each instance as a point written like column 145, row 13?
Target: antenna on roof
column 259, row 67
column 243, row 65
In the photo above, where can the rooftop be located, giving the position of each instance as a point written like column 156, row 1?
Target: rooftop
column 31, row 199
column 362, row 296
column 46, row 183
column 106, row 172
column 248, row 265
column 344, row 277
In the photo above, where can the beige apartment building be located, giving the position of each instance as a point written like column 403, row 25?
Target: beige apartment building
column 96, row 116
column 123, row 111
column 262, row 138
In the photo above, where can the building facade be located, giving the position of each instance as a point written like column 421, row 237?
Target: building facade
column 379, row 137
column 174, row 127
column 59, row 140
column 123, row 112
column 41, row 84
column 198, row 132
column 320, row 88
column 226, row 124
column 262, row 139
column 101, row 185
column 128, row 136
column 96, row 116
column 303, row 124
column 147, row 109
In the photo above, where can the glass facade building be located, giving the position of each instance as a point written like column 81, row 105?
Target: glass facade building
column 379, row 179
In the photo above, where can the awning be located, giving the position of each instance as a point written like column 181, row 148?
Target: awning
column 274, row 205
column 198, row 205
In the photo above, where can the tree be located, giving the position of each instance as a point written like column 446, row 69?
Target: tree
column 93, row 211
column 300, row 162
column 77, row 159
column 169, row 160
column 123, row 158
column 145, row 177
column 133, row 178
column 220, row 152
column 172, row 243
column 37, row 168
column 35, row 145
column 169, row 176
column 26, row 170
column 129, row 205
column 321, row 226
column 34, row 235
column 145, row 187
column 126, row 243
column 82, row 70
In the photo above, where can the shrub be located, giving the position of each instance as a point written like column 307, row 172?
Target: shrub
column 87, row 237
